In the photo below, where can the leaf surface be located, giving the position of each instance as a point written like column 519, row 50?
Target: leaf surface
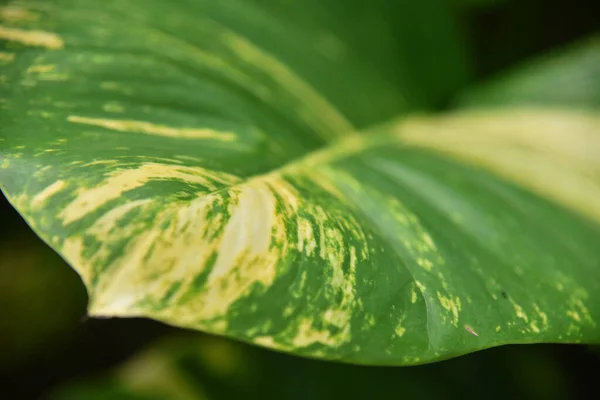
column 198, row 180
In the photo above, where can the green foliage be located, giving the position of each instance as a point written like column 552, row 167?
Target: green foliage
column 567, row 78
column 246, row 168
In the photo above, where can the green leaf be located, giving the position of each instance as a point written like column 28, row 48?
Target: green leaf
column 406, row 246
column 270, row 55
column 569, row 78
column 190, row 176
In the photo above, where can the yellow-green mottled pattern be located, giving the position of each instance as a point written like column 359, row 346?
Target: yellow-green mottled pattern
column 196, row 178
column 382, row 249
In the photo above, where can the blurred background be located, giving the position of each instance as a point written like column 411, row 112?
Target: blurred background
column 50, row 349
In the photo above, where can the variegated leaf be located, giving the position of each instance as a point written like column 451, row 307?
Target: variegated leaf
column 191, row 176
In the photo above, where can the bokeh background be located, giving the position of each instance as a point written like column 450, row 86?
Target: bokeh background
column 49, row 348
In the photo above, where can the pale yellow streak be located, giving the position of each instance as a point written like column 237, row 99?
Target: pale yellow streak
column 123, row 180
column 40, row 69
column 245, row 232
column 340, row 285
column 266, row 341
column 520, row 313
column 334, row 123
column 32, row 38
column 551, row 152
column 452, row 305
column 543, row 316
column 5, row 58
column 14, row 14
column 307, row 335
column 73, row 249
column 248, row 247
column 101, row 162
column 154, row 129
column 48, row 192
column 309, row 104
column 103, row 227
column 413, row 296
column 306, row 237
column 400, row 330
column 574, row 315
column 123, row 284
column 104, row 230
column 246, row 255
